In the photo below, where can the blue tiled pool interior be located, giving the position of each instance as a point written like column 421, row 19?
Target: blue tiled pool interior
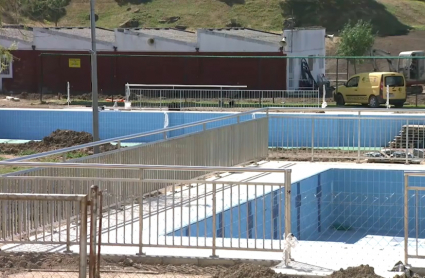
column 337, row 205
column 285, row 130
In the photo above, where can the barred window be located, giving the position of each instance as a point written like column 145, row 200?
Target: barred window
column 5, row 66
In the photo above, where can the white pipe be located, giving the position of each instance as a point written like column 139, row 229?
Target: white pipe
column 388, row 97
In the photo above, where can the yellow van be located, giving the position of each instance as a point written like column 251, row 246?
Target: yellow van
column 371, row 89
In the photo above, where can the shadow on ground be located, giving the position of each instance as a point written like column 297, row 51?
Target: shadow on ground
column 232, row 2
column 132, row 2
column 334, row 14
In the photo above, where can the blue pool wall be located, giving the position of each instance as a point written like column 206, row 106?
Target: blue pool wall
column 296, row 131
column 36, row 124
column 365, row 202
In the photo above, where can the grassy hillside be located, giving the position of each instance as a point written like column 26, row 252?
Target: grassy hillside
column 392, row 17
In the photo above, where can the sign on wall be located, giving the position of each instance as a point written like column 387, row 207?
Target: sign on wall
column 74, row 63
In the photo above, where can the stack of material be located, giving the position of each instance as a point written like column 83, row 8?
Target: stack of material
column 413, row 135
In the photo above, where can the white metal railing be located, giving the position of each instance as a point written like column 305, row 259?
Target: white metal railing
column 177, row 97
column 348, row 134
column 163, row 133
column 414, row 203
column 45, row 218
column 168, row 217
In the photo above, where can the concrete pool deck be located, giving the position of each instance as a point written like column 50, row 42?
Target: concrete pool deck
column 311, row 257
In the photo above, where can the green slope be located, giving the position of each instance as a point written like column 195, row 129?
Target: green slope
column 391, row 17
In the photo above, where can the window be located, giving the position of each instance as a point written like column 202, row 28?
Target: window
column 394, row 81
column 311, row 62
column 353, row 82
column 6, row 69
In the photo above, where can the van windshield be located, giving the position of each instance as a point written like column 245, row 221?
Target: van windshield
column 394, row 81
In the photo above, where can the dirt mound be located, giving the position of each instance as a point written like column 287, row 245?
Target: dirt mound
column 250, row 271
column 363, row 271
column 67, row 138
column 38, row 261
column 56, row 140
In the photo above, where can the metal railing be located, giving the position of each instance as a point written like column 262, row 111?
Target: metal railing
column 348, row 134
column 185, row 99
column 37, row 219
column 224, row 146
column 414, row 203
column 202, row 214
column 158, row 135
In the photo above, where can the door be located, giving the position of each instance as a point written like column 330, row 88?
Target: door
column 397, row 88
column 351, row 92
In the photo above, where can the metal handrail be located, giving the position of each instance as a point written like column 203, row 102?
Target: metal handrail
column 42, row 197
column 133, row 136
column 348, row 109
column 144, row 167
column 186, row 86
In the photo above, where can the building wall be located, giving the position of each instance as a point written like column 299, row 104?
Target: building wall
column 138, row 42
column 304, row 43
column 216, row 42
column 50, row 40
column 50, row 72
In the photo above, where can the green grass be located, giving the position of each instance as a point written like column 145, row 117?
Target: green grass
column 390, row 16
column 262, row 14
column 409, row 12
column 12, row 169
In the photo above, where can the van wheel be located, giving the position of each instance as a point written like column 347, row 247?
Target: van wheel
column 373, row 102
column 339, row 100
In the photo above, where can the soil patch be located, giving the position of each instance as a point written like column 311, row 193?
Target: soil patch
column 363, row 271
column 250, row 271
column 56, row 140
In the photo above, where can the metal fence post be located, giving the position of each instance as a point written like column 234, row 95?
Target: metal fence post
column 214, row 219
column 287, row 212
column 83, row 239
column 358, row 137
column 407, row 141
column 221, row 98
column 160, row 99
column 68, row 221
column 93, row 230
column 141, row 177
column 312, row 139
column 406, row 218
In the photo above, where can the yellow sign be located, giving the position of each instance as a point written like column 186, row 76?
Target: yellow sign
column 74, row 63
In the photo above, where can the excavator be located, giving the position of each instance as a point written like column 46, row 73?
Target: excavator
column 412, row 68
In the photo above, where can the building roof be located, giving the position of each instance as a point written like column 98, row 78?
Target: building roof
column 307, row 28
column 17, row 33
column 249, row 33
column 168, row 33
column 104, row 35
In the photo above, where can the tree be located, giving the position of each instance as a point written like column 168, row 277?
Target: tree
column 5, row 53
column 356, row 40
column 50, row 10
